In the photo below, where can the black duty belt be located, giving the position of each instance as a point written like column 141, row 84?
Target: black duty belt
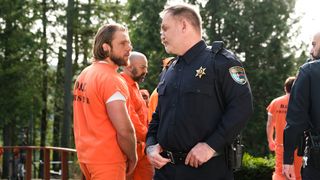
column 175, row 157
column 178, row 157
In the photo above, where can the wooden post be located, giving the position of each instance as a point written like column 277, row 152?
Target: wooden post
column 46, row 173
column 64, row 164
column 28, row 164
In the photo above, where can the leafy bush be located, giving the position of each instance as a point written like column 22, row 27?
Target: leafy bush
column 254, row 168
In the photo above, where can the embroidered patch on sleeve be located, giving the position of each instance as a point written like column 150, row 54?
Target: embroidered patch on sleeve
column 238, row 75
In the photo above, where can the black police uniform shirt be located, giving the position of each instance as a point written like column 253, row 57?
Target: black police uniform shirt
column 303, row 108
column 188, row 111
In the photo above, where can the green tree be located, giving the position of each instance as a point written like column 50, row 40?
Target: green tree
column 257, row 31
column 144, row 26
column 19, row 82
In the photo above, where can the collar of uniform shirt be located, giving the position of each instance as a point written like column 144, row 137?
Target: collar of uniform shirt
column 194, row 51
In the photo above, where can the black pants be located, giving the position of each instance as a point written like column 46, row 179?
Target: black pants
column 215, row 169
column 310, row 173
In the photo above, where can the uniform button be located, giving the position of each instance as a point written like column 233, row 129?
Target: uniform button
column 179, row 69
column 198, row 90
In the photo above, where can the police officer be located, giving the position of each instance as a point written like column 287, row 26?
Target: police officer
column 190, row 129
column 303, row 114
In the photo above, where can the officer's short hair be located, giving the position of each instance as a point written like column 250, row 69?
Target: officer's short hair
column 288, row 83
column 105, row 35
column 190, row 12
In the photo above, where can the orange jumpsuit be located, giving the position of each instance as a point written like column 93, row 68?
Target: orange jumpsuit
column 278, row 109
column 153, row 102
column 138, row 114
column 99, row 154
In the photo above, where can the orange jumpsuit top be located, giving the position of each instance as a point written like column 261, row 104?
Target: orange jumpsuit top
column 95, row 136
column 278, row 108
column 138, row 109
column 138, row 114
column 153, row 102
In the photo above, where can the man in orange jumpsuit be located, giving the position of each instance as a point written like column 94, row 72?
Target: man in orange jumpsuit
column 277, row 111
column 153, row 100
column 104, row 134
column 134, row 73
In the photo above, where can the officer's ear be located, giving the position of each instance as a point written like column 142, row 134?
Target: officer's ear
column 184, row 25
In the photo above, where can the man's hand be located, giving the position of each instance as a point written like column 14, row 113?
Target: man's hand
column 272, row 145
column 153, row 153
column 288, row 171
column 199, row 154
column 131, row 164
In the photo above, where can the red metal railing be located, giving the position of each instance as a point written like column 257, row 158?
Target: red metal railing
column 46, row 151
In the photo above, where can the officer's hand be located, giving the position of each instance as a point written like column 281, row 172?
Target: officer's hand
column 153, row 154
column 288, row 171
column 199, row 154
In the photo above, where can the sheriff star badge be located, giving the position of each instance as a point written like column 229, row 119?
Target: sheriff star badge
column 200, row 72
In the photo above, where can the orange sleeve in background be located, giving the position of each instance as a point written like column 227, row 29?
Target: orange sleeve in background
column 153, row 102
column 140, row 128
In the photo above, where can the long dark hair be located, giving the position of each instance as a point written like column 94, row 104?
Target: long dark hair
column 105, row 35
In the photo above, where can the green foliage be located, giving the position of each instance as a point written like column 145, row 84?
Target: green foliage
column 19, row 68
column 144, row 25
column 255, row 168
column 257, row 31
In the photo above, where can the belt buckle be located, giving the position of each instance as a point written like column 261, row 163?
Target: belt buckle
column 170, row 156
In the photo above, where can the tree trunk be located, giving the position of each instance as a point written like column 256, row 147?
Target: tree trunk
column 65, row 140
column 58, row 106
column 7, row 137
column 86, row 44
column 44, row 93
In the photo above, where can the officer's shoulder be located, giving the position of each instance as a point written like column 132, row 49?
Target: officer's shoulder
column 225, row 56
column 310, row 65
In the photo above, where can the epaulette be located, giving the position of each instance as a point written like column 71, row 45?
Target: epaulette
column 218, row 47
column 228, row 54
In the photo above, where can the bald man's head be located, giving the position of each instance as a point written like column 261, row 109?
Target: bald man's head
column 138, row 66
column 315, row 50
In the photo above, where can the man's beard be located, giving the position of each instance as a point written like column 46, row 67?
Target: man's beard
column 137, row 78
column 120, row 61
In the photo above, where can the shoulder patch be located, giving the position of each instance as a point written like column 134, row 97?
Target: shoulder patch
column 238, row 74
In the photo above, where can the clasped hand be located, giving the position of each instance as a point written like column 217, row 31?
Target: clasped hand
column 198, row 155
